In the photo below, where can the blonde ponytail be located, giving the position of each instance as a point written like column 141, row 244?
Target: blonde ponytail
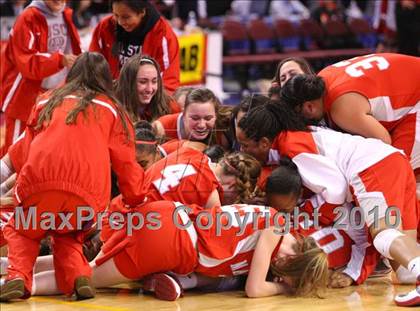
column 308, row 268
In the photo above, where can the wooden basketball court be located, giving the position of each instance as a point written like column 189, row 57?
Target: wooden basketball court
column 374, row 295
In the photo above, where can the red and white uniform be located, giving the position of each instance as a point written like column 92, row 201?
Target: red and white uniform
column 183, row 176
column 266, row 171
column 153, row 248
column 172, row 125
column 355, row 252
column 5, row 214
column 66, row 167
column 93, row 144
column 269, row 166
column 343, row 168
column 182, row 247
column 230, row 252
column 390, row 82
column 160, row 43
column 25, row 62
column 172, row 146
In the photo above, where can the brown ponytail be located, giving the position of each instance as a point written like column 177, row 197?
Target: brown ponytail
column 246, row 169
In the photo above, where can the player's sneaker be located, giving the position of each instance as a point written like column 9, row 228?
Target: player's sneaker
column 12, row 289
column 92, row 245
column 83, row 288
column 382, row 269
column 411, row 299
column 164, row 286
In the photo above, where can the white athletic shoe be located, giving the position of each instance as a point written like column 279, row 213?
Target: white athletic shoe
column 164, row 286
column 411, row 299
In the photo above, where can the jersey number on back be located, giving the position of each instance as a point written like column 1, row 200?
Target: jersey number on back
column 172, row 175
column 357, row 69
column 331, row 246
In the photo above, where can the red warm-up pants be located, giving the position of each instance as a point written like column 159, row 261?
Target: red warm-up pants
column 23, row 243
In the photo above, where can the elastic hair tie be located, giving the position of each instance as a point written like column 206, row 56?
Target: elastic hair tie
column 145, row 142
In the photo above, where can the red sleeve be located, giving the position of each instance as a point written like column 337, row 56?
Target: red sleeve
column 265, row 173
column 169, row 123
column 95, row 43
column 171, row 73
column 19, row 151
column 123, row 158
column 162, row 44
column 30, row 62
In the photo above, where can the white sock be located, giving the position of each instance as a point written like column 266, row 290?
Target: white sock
column 187, row 281
column 414, row 266
column 44, row 284
column 4, row 262
column 33, row 290
column 405, row 276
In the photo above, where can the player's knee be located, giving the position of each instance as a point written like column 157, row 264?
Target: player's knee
column 384, row 239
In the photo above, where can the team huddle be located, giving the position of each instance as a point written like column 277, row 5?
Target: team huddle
column 314, row 186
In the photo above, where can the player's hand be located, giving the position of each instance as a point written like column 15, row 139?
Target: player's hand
column 6, row 201
column 68, row 60
column 339, row 279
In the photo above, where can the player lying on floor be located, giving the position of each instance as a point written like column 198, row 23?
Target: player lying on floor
column 252, row 248
column 341, row 168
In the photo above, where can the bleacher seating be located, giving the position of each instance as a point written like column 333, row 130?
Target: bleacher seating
column 235, row 38
column 364, row 33
column 311, row 34
column 262, row 36
column 264, row 42
column 287, row 35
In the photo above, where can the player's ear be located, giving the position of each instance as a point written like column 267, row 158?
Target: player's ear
column 265, row 142
column 308, row 108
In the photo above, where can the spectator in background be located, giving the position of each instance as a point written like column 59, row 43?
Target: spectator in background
column 385, row 25
column 292, row 10
column 327, row 10
column 203, row 9
column 407, row 14
column 245, row 8
column 99, row 7
column 352, row 9
column 208, row 8
column 12, row 7
column 183, row 8
column 165, row 7
column 137, row 28
column 82, row 15
column 42, row 46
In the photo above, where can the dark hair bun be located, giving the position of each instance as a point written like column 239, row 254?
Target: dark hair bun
column 302, row 88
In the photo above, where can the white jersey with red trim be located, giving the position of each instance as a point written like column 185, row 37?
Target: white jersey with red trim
column 327, row 160
column 351, row 250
